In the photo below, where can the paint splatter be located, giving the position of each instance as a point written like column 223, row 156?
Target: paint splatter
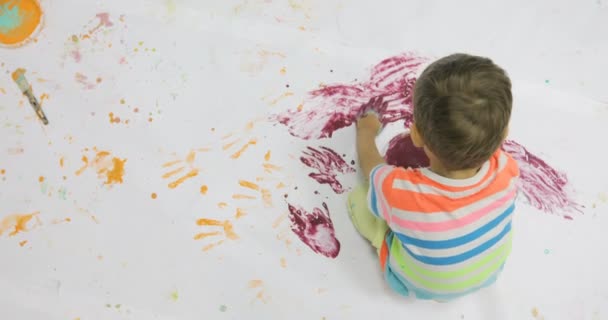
column 174, row 296
column 223, row 308
column 226, row 231
column 19, row 20
column 153, row 195
column 328, row 164
column 84, row 81
column 544, row 187
column 204, row 189
column 261, row 293
column 16, row 223
column 240, row 152
column 265, row 194
column 334, row 107
column 110, row 168
column 315, row 229
column 180, row 166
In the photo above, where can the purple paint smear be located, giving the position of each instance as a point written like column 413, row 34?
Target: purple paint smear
column 402, row 152
column 337, row 106
column 315, row 229
column 328, row 164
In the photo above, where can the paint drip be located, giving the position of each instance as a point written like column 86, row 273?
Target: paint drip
column 328, row 165
column 337, row 106
column 315, row 229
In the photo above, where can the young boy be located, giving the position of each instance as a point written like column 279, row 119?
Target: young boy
column 443, row 231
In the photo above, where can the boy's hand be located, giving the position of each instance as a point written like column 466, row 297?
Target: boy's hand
column 369, row 122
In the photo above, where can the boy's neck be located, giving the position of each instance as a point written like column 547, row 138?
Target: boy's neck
column 439, row 169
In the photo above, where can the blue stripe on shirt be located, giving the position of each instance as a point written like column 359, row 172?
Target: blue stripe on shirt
column 451, row 243
column 442, row 261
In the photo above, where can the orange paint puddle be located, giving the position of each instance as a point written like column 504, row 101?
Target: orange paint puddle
column 204, row 189
column 28, row 15
column 16, row 223
column 249, row 185
column 108, row 167
column 240, row 152
column 267, row 156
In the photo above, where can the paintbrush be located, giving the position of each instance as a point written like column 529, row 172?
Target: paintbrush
column 26, row 89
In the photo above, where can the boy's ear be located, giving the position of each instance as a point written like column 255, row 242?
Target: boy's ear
column 415, row 135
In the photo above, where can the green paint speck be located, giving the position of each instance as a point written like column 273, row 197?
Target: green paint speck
column 547, row 251
column 547, row 81
column 108, row 305
column 174, row 296
column 223, row 308
column 117, row 306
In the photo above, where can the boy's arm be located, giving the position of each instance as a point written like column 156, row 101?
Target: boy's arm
column 369, row 156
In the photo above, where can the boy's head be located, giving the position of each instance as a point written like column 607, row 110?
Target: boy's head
column 462, row 107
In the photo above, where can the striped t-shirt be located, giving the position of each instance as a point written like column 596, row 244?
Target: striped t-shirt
column 449, row 237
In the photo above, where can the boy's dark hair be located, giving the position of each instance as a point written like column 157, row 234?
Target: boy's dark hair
column 462, row 107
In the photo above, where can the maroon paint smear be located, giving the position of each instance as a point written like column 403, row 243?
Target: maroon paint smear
column 315, row 229
column 328, row 165
column 337, row 106
column 402, row 152
column 544, row 187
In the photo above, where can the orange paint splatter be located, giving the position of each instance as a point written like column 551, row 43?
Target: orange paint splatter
column 29, row 15
column 2, row 90
column 113, row 119
column 281, row 97
column 22, row 243
column 280, row 185
column 267, row 198
column 300, row 107
column 240, row 213
column 278, row 221
column 283, row 263
column 204, row 189
column 173, row 172
column 213, row 245
column 61, row 162
column 242, row 196
column 230, row 144
column 255, row 283
column 302, row 28
column 267, row 156
column 41, row 179
column 2, row 171
column 110, row 168
column 193, row 173
column 240, row 152
column 249, row 185
column 268, row 167
column 44, row 96
column 283, row 71
column 203, row 235
column 222, row 205
column 154, row 195
column 116, row 173
column 15, row 223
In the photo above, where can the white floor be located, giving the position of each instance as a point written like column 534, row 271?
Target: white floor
column 199, row 70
